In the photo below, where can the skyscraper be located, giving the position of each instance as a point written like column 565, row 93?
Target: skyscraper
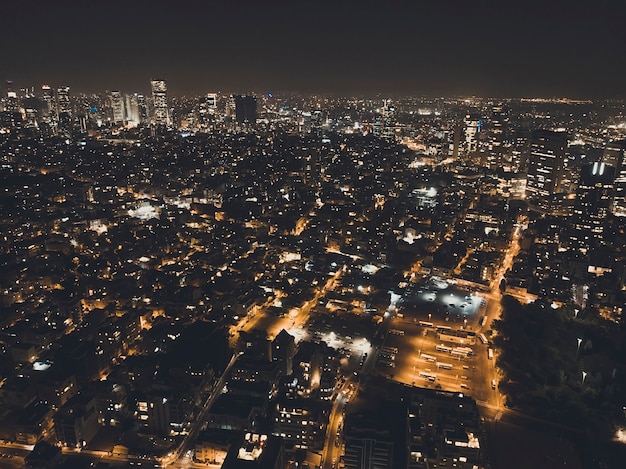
column 245, row 109
column 65, row 111
column 117, row 106
column 384, row 125
column 131, row 109
column 49, row 111
column 545, row 163
column 615, row 155
column 11, row 103
column 160, row 114
column 594, row 198
column 63, row 99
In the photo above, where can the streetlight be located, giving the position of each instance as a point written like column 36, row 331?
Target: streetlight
column 579, row 341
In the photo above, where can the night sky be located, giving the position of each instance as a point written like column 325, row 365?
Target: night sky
column 505, row 48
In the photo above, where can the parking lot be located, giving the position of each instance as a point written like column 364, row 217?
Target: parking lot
column 414, row 353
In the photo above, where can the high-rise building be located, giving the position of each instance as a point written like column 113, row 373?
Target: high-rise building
column 63, row 100
column 211, row 103
column 160, row 114
column 131, row 109
column 472, row 127
column 117, row 106
column 245, row 109
column 384, row 125
column 594, row 198
column 64, row 111
column 49, row 111
column 143, row 108
column 545, row 163
column 615, row 155
column 11, row 103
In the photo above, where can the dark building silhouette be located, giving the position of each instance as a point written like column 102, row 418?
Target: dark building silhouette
column 245, row 109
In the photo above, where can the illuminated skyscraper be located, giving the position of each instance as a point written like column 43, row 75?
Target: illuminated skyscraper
column 384, row 125
column 63, row 100
column 160, row 114
column 545, row 163
column 472, row 127
column 594, row 197
column 11, row 103
column 65, row 111
column 615, row 154
column 49, row 111
column 117, row 105
column 143, row 109
column 131, row 109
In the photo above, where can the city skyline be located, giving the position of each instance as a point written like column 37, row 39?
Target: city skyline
column 485, row 48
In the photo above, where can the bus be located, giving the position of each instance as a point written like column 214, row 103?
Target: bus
column 393, row 350
column 426, row 324
column 445, row 366
column 466, row 350
column 490, row 354
column 428, row 358
column 443, row 348
column 443, row 329
column 483, row 321
column 458, row 354
column 482, row 338
column 429, row 376
column 396, row 332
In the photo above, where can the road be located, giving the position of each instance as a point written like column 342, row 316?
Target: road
column 332, row 446
column 197, row 425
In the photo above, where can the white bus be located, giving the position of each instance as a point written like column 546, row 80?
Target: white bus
column 482, row 338
column 428, row 358
column 458, row 354
column 426, row 324
column 445, row 366
column 490, row 354
column 466, row 350
column 428, row 376
column 443, row 348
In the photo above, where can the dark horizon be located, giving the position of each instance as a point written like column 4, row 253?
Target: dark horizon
column 482, row 48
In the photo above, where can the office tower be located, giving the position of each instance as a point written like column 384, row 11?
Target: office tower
column 117, row 106
column 615, row 155
column 143, row 108
column 283, row 350
column 131, row 109
column 594, row 198
column 384, row 125
column 456, row 141
column 64, row 112
column 49, row 111
column 211, row 103
column 11, row 103
column 231, row 107
column 472, row 127
column 545, row 163
column 207, row 110
column 160, row 114
column 245, row 109
column 63, row 100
